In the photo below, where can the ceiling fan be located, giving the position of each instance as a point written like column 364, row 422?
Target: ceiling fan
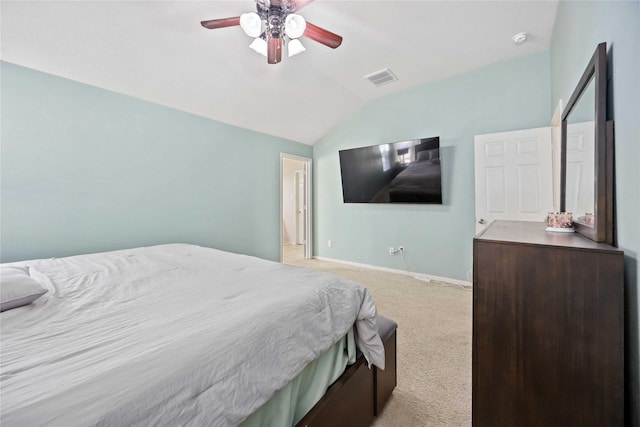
column 275, row 24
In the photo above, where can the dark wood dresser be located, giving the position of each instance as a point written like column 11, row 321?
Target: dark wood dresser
column 548, row 328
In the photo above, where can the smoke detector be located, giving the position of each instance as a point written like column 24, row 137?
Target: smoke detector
column 519, row 38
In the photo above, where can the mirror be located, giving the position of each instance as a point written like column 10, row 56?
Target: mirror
column 586, row 176
column 580, row 160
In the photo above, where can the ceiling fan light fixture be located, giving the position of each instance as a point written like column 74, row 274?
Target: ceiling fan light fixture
column 251, row 24
column 259, row 45
column 295, row 47
column 275, row 25
column 294, row 26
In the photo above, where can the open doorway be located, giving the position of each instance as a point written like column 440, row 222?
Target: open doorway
column 295, row 208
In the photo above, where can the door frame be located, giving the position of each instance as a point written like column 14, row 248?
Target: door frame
column 308, row 197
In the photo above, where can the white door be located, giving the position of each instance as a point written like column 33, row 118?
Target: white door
column 513, row 176
column 299, row 206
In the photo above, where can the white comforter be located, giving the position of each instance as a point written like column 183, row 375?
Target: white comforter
column 174, row 335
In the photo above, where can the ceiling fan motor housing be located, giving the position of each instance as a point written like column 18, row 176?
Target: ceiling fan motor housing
column 275, row 23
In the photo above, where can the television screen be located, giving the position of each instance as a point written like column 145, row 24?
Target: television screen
column 399, row 172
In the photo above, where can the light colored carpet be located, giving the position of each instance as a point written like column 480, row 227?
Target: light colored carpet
column 434, row 343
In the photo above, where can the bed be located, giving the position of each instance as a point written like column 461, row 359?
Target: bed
column 178, row 335
column 419, row 181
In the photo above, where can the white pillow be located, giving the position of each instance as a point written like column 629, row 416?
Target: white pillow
column 17, row 288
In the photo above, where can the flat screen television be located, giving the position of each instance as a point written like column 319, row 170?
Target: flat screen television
column 398, row 172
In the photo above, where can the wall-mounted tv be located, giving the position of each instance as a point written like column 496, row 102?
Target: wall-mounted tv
column 398, row 172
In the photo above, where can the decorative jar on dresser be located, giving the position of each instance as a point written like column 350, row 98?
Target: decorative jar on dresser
column 548, row 328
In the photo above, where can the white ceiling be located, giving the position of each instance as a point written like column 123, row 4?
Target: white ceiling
column 157, row 51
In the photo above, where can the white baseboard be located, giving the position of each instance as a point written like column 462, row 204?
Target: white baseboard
column 419, row 276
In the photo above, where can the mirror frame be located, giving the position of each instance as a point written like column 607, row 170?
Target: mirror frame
column 602, row 229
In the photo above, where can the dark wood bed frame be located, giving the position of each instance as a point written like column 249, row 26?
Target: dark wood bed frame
column 359, row 395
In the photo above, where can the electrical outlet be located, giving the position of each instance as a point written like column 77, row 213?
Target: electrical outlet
column 329, row 243
column 391, row 251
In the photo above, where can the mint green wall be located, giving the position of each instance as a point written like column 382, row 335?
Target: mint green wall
column 85, row 170
column 579, row 27
column 438, row 239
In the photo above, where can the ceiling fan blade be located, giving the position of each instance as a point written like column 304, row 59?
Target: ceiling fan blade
column 221, row 23
column 274, row 50
column 323, row 36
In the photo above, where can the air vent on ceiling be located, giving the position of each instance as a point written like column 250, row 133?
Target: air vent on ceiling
column 381, row 77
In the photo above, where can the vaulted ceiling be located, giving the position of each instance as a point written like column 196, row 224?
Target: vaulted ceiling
column 159, row 52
